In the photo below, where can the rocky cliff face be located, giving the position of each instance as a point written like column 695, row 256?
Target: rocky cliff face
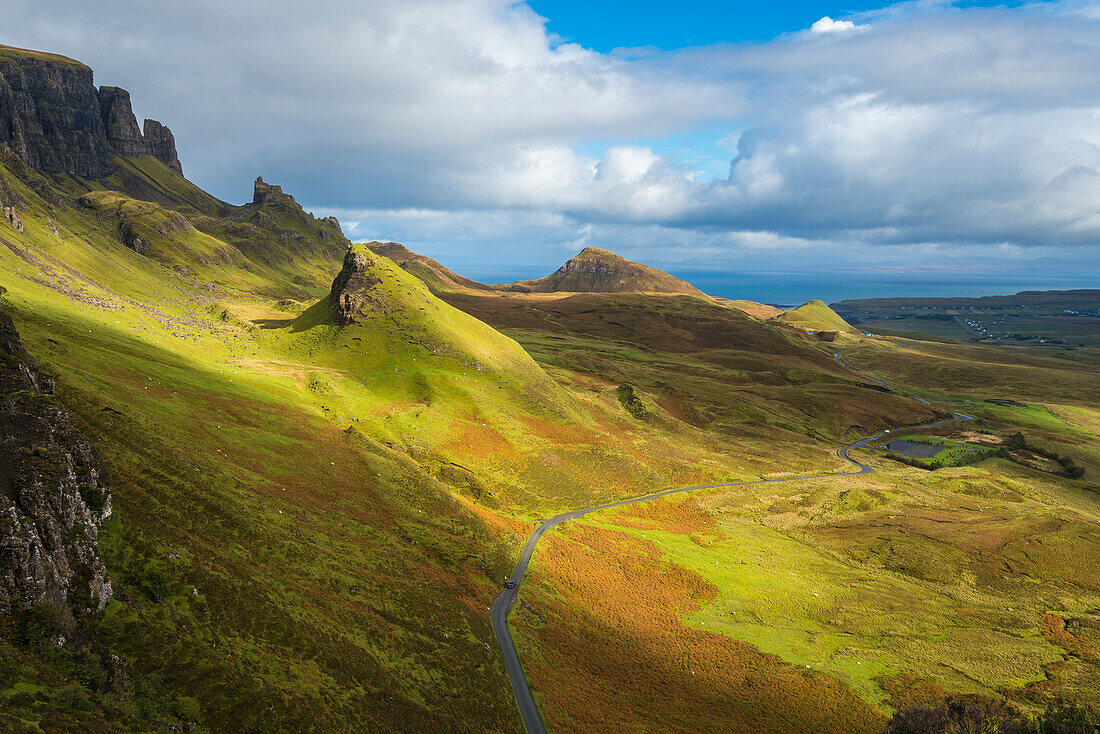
column 162, row 145
column 273, row 210
column 53, row 495
column 265, row 194
column 54, row 119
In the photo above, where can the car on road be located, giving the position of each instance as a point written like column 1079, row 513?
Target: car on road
column 510, row 584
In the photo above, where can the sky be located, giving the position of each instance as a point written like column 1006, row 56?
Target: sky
column 926, row 137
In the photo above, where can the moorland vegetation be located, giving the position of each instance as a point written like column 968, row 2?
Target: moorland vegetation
column 323, row 459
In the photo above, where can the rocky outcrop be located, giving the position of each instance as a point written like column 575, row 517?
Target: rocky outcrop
column 13, row 218
column 53, row 495
column 54, row 119
column 275, row 212
column 351, row 287
column 119, row 122
column 162, row 145
column 270, row 195
column 600, row 271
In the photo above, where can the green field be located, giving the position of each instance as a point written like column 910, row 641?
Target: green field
column 1051, row 322
column 951, row 453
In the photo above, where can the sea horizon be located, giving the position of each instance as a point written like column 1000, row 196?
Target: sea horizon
column 788, row 289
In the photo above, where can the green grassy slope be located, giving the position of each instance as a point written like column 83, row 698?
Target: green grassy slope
column 711, row 366
column 309, row 517
column 908, row 585
column 814, row 315
column 433, row 273
column 317, row 497
column 272, row 570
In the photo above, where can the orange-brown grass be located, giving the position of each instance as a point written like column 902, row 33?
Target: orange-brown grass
column 1054, row 629
column 907, row 689
column 609, row 653
column 676, row 515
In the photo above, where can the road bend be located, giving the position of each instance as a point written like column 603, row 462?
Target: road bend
column 503, row 603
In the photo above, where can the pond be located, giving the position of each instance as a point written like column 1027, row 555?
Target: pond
column 914, row 450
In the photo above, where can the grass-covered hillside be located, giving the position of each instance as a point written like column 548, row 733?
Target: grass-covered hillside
column 316, row 493
column 743, row 607
column 270, row 566
column 434, row 274
column 815, row 315
column 323, row 460
column 907, row 585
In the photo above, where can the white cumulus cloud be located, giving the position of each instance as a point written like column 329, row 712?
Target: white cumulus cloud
column 828, row 25
column 465, row 121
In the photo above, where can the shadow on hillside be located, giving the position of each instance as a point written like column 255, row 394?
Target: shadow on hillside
column 273, row 323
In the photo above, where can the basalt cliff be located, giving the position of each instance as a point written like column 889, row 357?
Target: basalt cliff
column 54, row 119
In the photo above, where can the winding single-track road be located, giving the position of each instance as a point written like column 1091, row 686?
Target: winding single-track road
column 506, row 599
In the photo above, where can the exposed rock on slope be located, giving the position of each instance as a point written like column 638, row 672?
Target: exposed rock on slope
column 351, row 289
column 53, row 495
column 54, row 119
column 393, row 312
column 161, row 144
column 601, row 271
column 434, row 274
column 273, row 211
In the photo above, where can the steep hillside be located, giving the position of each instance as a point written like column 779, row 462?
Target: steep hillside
column 286, row 473
column 713, row 366
column 392, row 317
column 814, row 315
column 276, row 558
column 599, row 271
column 434, row 274
column 760, row 311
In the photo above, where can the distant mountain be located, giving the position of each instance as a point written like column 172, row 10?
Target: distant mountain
column 815, row 315
column 602, row 271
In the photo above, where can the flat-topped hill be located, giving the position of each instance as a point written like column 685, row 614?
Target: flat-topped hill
column 25, row 55
column 601, row 271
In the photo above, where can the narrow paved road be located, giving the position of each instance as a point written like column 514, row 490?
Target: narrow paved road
column 503, row 603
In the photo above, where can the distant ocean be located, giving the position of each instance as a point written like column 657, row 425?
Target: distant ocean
column 791, row 289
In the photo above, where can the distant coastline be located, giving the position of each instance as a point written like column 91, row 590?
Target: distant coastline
column 786, row 289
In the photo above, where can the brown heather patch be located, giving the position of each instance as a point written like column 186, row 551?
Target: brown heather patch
column 559, row 433
column 477, row 441
column 613, row 655
column 672, row 406
column 908, row 689
column 1054, row 629
column 682, row 516
column 499, row 525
